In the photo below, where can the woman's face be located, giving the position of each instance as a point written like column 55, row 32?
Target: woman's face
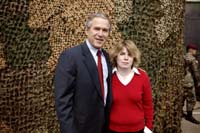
column 124, row 59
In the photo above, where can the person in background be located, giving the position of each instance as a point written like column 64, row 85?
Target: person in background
column 197, row 88
column 191, row 75
column 83, row 81
column 132, row 106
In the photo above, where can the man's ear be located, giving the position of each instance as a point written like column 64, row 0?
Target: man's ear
column 86, row 31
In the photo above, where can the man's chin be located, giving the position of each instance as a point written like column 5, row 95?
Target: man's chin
column 98, row 45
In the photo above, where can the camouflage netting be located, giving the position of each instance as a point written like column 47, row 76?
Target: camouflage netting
column 34, row 32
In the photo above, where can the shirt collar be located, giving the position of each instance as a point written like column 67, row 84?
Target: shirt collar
column 134, row 70
column 92, row 49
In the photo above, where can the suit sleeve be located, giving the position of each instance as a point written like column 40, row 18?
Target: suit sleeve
column 148, row 103
column 64, row 91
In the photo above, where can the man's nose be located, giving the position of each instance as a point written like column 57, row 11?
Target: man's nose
column 100, row 33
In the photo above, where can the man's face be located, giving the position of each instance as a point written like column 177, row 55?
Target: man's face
column 98, row 32
column 194, row 51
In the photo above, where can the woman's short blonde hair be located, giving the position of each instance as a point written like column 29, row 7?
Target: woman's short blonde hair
column 132, row 50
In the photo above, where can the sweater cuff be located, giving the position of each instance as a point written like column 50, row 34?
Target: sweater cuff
column 147, row 130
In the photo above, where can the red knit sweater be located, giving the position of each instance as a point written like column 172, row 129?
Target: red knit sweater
column 132, row 107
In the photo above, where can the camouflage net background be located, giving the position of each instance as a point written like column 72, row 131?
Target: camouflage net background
column 34, row 32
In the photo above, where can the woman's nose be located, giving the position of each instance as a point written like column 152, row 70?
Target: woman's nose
column 125, row 56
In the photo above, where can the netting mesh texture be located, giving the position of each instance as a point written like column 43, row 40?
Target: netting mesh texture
column 34, row 32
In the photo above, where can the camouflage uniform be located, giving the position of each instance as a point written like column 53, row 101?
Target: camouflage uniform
column 191, row 74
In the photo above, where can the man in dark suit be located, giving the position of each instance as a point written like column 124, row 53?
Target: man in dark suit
column 83, row 99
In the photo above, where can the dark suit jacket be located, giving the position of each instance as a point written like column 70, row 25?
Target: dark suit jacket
column 79, row 103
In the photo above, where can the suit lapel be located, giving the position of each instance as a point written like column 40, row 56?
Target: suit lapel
column 92, row 67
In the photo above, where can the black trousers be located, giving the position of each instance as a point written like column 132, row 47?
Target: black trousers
column 140, row 131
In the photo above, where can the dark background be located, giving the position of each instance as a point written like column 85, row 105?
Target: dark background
column 192, row 23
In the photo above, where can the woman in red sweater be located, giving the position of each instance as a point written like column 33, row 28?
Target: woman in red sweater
column 132, row 107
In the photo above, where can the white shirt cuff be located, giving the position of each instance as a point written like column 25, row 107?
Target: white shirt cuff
column 147, row 130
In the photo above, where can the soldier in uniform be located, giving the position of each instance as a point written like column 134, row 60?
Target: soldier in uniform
column 191, row 75
column 197, row 88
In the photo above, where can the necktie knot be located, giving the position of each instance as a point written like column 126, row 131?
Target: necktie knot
column 99, row 53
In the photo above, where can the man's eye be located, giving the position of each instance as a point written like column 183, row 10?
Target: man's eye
column 97, row 28
column 105, row 30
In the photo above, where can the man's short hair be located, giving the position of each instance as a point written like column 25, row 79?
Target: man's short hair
column 96, row 15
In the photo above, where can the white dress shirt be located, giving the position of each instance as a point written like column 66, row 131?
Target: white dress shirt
column 104, row 67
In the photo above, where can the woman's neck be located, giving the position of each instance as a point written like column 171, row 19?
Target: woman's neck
column 125, row 75
column 124, row 72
